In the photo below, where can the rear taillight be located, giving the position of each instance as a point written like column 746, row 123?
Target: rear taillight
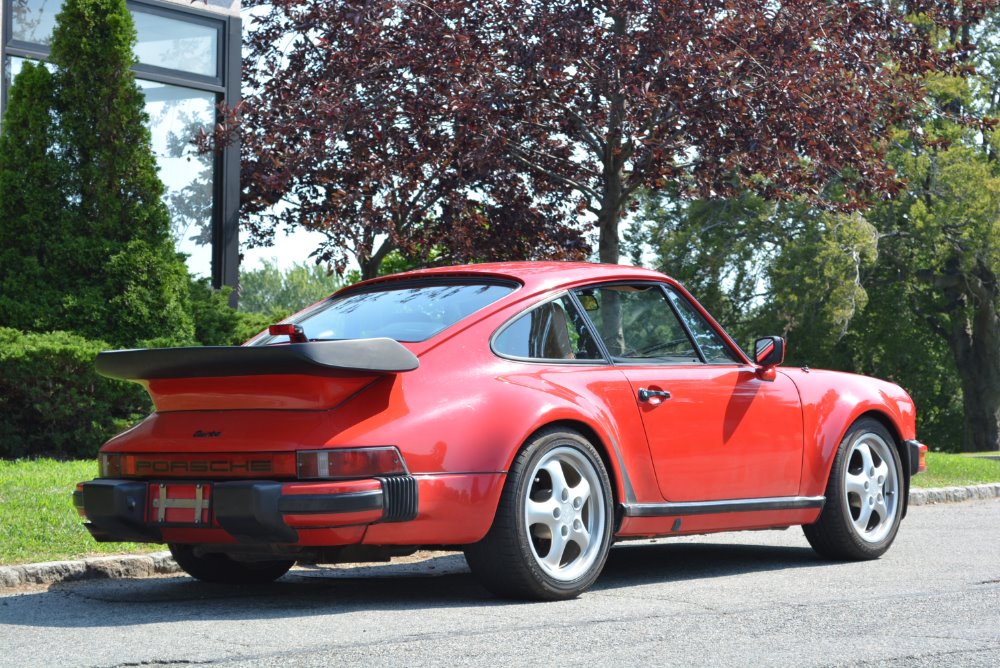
column 110, row 465
column 294, row 333
column 923, row 459
column 348, row 463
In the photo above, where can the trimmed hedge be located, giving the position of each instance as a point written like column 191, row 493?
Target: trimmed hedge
column 52, row 401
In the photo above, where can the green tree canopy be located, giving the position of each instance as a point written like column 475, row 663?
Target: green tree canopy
column 33, row 203
column 766, row 267
column 269, row 289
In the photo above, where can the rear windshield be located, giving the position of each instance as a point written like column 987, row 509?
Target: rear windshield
column 404, row 313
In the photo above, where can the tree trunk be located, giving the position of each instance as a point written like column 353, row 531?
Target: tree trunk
column 612, row 204
column 609, row 243
column 975, row 343
column 613, row 188
column 370, row 265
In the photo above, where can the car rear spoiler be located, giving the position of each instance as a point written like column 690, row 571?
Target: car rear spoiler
column 372, row 355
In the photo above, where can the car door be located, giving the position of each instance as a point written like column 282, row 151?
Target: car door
column 715, row 430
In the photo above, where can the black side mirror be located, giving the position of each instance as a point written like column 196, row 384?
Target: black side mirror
column 769, row 351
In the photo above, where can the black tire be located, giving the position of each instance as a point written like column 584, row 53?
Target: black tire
column 527, row 560
column 862, row 512
column 218, row 568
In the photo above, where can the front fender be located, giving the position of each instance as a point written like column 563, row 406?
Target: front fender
column 831, row 402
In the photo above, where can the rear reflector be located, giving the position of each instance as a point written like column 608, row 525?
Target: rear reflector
column 78, row 500
column 350, row 463
column 923, row 459
column 110, row 465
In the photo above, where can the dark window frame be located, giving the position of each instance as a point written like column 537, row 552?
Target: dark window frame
column 207, row 19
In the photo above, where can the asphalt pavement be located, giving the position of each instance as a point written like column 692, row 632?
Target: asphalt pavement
column 753, row 598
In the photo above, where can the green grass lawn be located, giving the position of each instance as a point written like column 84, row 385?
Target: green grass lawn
column 38, row 521
column 37, row 518
column 944, row 470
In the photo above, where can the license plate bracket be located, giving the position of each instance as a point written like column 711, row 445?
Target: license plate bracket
column 180, row 504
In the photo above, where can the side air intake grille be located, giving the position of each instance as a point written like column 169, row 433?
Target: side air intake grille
column 399, row 498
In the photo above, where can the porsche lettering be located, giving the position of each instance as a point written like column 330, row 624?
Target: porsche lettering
column 144, row 466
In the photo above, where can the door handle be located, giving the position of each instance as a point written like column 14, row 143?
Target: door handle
column 646, row 395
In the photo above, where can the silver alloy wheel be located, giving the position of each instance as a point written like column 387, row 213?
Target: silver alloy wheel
column 871, row 487
column 564, row 514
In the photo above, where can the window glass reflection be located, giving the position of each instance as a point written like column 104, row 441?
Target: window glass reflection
column 552, row 331
column 175, row 115
column 15, row 64
column 413, row 313
column 712, row 346
column 638, row 325
column 162, row 41
column 33, row 20
column 178, row 45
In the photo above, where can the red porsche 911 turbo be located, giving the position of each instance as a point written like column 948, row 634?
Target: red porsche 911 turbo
column 528, row 414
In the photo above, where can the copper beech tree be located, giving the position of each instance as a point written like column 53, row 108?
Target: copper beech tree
column 509, row 128
column 364, row 124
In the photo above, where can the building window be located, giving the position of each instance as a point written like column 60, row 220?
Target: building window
column 177, row 45
column 32, row 21
column 189, row 61
column 176, row 114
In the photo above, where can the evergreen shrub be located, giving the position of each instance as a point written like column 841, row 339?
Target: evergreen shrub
column 52, row 401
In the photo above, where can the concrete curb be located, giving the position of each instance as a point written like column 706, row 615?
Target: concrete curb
column 50, row 572
column 924, row 497
column 160, row 563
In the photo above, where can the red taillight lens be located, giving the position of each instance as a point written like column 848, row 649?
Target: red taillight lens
column 923, row 459
column 295, row 333
column 110, row 465
column 350, row 463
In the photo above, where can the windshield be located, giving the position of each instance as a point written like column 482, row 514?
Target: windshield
column 404, row 313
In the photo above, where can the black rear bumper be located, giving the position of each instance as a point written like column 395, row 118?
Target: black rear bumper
column 250, row 511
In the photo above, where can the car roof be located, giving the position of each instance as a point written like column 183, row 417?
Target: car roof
column 533, row 275
column 536, row 278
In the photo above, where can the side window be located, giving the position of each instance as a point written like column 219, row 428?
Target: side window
column 636, row 323
column 553, row 331
column 712, row 346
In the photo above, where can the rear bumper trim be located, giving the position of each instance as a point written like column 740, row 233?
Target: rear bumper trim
column 352, row 502
column 116, row 511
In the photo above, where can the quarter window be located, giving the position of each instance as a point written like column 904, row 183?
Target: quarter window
column 553, row 331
